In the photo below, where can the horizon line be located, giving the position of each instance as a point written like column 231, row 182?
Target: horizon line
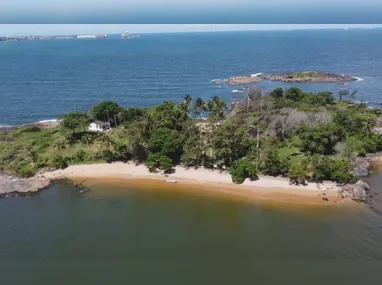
column 204, row 31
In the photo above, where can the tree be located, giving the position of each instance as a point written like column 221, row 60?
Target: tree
column 158, row 161
column 166, row 142
column 216, row 107
column 342, row 93
column 295, row 94
column 230, row 142
column 242, row 169
column 133, row 114
column 186, row 105
column 195, row 146
column 298, row 173
column 338, row 170
column 321, row 139
column 199, row 107
column 167, row 115
column 122, row 153
column 75, row 121
column 106, row 111
column 277, row 93
column 138, row 151
column 274, row 165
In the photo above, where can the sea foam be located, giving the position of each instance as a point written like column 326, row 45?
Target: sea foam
column 256, row 74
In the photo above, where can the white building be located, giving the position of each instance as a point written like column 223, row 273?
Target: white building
column 99, row 126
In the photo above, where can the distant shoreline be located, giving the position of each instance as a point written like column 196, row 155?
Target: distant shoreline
column 213, row 181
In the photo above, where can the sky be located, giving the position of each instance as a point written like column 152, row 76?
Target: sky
column 69, row 29
column 190, row 11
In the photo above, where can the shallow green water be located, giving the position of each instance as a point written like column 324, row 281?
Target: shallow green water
column 120, row 230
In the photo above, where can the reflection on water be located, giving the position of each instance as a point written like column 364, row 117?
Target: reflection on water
column 125, row 224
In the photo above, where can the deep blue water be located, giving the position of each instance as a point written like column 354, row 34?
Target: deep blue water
column 42, row 79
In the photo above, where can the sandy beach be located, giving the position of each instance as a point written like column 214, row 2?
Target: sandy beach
column 212, row 181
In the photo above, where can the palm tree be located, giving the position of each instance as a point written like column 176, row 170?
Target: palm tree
column 352, row 95
column 105, row 141
column 199, row 107
column 342, row 93
column 217, row 107
column 185, row 105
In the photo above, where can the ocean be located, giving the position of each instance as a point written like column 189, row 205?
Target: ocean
column 127, row 234
column 40, row 80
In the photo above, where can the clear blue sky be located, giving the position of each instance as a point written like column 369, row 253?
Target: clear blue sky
column 190, row 11
column 65, row 29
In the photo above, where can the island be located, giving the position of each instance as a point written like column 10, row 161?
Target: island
column 289, row 141
column 308, row 76
column 303, row 76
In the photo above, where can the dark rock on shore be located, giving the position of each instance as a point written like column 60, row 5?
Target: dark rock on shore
column 22, row 186
column 357, row 192
column 307, row 76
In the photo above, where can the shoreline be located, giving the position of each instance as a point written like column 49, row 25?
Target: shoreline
column 211, row 182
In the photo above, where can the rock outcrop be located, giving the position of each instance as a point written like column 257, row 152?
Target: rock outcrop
column 238, row 80
column 307, row 76
column 357, row 192
column 22, row 186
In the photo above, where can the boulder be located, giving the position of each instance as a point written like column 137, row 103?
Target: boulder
column 363, row 184
column 357, row 191
column 360, row 167
column 359, row 194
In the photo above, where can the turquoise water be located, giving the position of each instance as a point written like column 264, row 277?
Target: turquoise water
column 42, row 79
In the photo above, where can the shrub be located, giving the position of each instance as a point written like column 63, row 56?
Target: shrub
column 298, row 172
column 158, row 161
column 27, row 171
column 338, row 170
column 242, row 169
column 59, row 162
column 274, row 165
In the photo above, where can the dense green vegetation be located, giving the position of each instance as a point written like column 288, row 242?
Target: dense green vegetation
column 289, row 133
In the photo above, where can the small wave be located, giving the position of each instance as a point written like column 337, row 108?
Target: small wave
column 4, row 126
column 359, row 78
column 256, row 74
column 237, row 91
column 48, row 121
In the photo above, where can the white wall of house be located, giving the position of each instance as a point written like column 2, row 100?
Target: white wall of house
column 97, row 128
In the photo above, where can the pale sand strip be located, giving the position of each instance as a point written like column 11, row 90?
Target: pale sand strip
column 265, row 187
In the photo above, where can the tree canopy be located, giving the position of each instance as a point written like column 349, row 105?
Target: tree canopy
column 106, row 111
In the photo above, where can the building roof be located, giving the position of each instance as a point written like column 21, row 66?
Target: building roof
column 102, row 124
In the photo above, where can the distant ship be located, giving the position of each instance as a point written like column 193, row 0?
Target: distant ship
column 127, row 35
column 100, row 35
